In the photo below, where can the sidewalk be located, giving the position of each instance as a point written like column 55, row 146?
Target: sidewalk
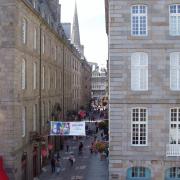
column 87, row 166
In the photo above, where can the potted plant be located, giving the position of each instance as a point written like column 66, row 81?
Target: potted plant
column 100, row 146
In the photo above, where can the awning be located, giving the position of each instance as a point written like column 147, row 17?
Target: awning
column 3, row 175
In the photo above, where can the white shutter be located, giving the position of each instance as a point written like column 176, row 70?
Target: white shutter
column 24, row 30
column 35, row 38
column 175, row 71
column 143, row 78
column 34, row 117
column 135, row 81
column 34, row 75
column 23, row 121
column 23, row 74
column 43, row 77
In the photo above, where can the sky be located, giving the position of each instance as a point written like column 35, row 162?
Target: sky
column 91, row 15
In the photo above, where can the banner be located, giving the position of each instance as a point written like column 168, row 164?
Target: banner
column 67, row 128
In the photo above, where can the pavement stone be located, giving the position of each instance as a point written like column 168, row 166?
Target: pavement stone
column 86, row 167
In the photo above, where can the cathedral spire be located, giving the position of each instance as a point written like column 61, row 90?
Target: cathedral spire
column 75, row 29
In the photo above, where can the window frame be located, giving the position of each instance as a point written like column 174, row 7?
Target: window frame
column 139, row 15
column 177, row 123
column 139, row 123
column 170, row 23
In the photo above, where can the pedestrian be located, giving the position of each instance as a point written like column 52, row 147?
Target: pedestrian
column 58, row 166
column 67, row 146
column 58, row 156
column 53, row 165
column 80, row 147
column 102, row 136
column 92, row 147
column 71, row 159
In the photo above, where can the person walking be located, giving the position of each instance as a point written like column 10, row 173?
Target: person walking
column 58, row 166
column 71, row 159
column 53, row 165
column 67, row 146
column 80, row 147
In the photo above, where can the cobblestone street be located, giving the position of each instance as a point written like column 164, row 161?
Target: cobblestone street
column 86, row 167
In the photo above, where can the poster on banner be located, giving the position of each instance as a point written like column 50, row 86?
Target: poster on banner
column 67, row 128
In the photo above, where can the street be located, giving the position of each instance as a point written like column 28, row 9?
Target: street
column 87, row 166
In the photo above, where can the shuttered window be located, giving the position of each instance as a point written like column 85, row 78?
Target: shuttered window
column 24, row 31
column 23, row 74
column 138, row 173
column 175, row 71
column 34, row 75
column 23, row 116
column 34, row 116
column 139, row 72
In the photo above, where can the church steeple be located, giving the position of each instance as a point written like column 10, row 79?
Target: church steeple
column 75, row 38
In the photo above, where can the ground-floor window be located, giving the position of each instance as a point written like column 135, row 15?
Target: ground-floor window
column 173, row 173
column 138, row 173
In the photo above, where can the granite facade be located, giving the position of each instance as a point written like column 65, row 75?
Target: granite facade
column 158, row 99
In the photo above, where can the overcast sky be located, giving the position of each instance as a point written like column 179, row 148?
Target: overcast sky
column 92, row 27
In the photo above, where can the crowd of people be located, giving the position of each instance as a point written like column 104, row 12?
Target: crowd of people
column 93, row 131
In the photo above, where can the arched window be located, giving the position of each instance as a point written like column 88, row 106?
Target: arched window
column 24, row 31
column 175, row 71
column 23, row 74
column 139, row 20
column 138, row 173
column 174, row 19
column 139, row 71
column 173, row 173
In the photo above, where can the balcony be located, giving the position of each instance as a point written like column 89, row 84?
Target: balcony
column 173, row 150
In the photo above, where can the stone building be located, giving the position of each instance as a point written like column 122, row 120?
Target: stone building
column 98, row 81
column 144, row 74
column 38, row 66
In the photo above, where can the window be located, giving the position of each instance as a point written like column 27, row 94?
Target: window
column 55, row 53
column 34, row 75
column 43, row 77
column 174, row 126
column 55, row 79
column 139, row 20
column 137, row 173
column 23, row 121
column 24, row 31
column 139, row 126
column 43, row 43
column 34, row 4
column 139, row 71
column 174, row 19
column 43, row 114
column 23, row 74
column 34, row 117
column 49, row 79
column 175, row 71
column 173, row 173
column 35, row 38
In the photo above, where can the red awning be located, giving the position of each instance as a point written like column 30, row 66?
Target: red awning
column 3, row 175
